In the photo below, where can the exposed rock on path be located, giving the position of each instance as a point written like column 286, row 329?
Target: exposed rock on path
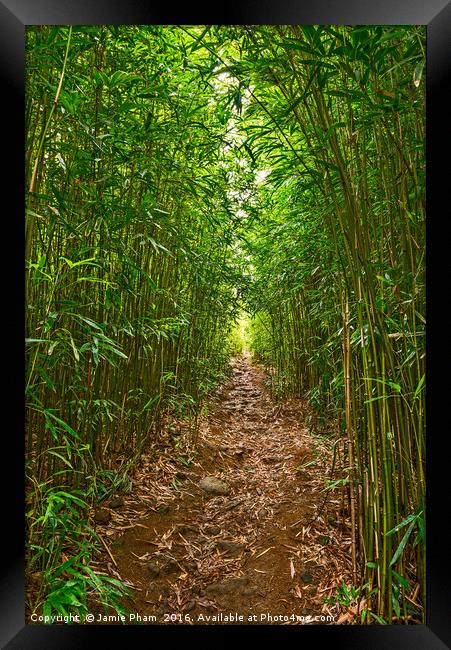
column 214, row 485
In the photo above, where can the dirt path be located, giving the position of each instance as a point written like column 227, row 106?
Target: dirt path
column 267, row 549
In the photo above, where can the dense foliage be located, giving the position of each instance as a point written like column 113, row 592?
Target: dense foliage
column 176, row 175
column 339, row 266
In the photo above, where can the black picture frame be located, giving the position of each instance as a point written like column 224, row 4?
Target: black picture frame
column 436, row 14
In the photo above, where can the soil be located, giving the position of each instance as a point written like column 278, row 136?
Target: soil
column 263, row 545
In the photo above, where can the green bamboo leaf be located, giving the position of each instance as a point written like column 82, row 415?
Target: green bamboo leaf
column 69, row 262
column 72, row 497
column 65, row 461
column 153, row 400
column 402, row 544
column 63, row 424
column 402, row 581
column 90, row 322
column 421, row 536
column 391, row 384
column 378, row 618
column 75, row 351
column 403, row 523
column 396, row 607
column 392, row 35
column 419, row 387
column 417, row 74
column 118, row 352
column 95, row 280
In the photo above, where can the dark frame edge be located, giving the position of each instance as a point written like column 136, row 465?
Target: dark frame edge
column 438, row 572
column 12, row 571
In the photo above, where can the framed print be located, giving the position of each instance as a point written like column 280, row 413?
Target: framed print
column 233, row 322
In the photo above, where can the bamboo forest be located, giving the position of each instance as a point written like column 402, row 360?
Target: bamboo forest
column 225, row 324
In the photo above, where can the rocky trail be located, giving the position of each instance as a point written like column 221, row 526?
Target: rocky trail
column 235, row 526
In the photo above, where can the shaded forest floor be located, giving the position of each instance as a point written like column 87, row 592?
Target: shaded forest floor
column 274, row 544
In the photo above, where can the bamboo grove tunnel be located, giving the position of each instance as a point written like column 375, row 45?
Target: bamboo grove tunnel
column 225, row 252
